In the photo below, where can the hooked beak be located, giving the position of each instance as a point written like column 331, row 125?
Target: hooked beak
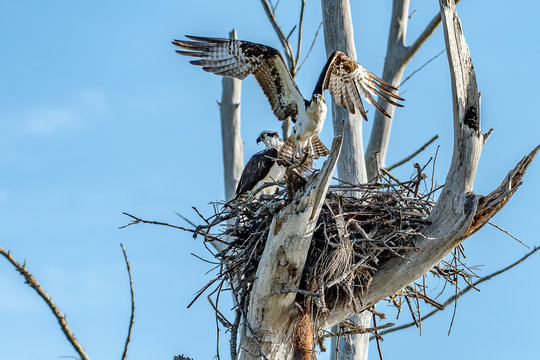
column 259, row 139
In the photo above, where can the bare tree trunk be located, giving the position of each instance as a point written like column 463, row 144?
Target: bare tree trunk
column 398, row 56
column 233, row 158
column 339, row 35
column 355, row 348
column 394, row 66
column 270, row 321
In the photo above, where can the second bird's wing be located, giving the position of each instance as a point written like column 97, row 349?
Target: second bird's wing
column 349, row 82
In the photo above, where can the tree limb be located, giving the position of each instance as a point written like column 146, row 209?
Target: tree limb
column 132, row 317
column 490, row 204
column 394, row 66
column 300, row 28
column 339, row 35
column 397, row 57
column 463, row 292
column 412, row 49
column 422, row 148
column 30, row 280
column 282, row 38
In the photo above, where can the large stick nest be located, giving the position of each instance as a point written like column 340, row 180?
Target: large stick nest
column 359, row 227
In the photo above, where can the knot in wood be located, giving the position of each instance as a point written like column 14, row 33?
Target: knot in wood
column 472, row 120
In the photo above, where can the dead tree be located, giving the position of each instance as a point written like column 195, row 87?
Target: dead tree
column 457, row 214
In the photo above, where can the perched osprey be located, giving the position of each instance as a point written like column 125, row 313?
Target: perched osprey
column 346, row 80
column 263, row 167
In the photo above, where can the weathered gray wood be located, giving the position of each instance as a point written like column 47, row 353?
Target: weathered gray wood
column 233, row 158
column 394, row 66
column 457, row 204
column 357, row 347
column 398, row 56
column 271, row 315
column 338, row 35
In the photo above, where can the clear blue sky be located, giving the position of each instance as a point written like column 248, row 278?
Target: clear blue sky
column 98, row 115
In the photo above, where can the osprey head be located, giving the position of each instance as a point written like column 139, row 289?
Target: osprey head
column 317, row 98
column 316, row 108
column 270, row 138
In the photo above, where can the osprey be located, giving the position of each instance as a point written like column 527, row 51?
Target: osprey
column 263, row 167
column 346, row 80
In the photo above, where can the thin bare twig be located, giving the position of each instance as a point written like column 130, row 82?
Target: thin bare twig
column 422, row 148
column 464, row 291
column 507, row 233
column 234, row 334
column 311, row 47
column 43, row 294
column 137, row 220
column 282, row 38
column 356, row 330
column 197, row 231
column 132, row 317
column 185, row 219
column 417, row 44
column 378, row 337
column 456, row 287
column 422, row 66
column 300, row 26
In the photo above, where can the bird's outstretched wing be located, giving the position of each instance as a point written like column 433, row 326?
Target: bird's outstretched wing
column 238, row 59
column 349, row 82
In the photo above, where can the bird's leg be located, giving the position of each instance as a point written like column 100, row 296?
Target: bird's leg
column 299, row 149
column 311, row 147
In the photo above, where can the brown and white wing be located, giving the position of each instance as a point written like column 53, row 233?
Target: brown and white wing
column 349, row 82
column 287, row 151
column 238, row 59
column 319, row 150
column 255, row 170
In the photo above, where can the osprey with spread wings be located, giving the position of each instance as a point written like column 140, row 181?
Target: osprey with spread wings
column 346, row 80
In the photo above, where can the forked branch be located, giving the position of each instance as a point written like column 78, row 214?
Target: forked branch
column 398, row 56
